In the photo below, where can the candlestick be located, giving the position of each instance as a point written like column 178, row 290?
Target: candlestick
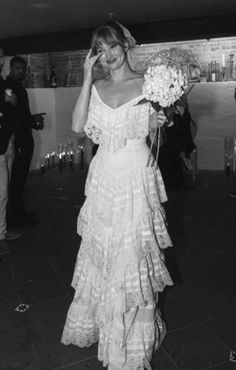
column 53, row 159
column 71, row 160
column 81, row 157
column 77, row 155
column 71, row 164
column 227, row 169
column 60, row 163
column 47, row 158
column 64, row 158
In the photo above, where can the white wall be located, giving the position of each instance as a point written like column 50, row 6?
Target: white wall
column 65, row 101
column 43, row 100
column 212, row 106
column 58, row 104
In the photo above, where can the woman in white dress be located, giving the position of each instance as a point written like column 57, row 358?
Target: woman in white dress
column 120, row 266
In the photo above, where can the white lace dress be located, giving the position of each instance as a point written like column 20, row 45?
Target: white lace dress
column 120, row 265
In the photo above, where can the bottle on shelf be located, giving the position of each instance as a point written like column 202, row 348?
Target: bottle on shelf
column 53, row 78
column 213, row 71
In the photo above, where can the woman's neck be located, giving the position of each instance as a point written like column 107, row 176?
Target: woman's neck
column 121, row 74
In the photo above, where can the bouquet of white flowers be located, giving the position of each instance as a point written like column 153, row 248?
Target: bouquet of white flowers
column 163, row 87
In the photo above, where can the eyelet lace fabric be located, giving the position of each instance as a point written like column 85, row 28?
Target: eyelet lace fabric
column 120, row 267
column 111, row 128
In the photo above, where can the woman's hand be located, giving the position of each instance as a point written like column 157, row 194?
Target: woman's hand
column 88, row 66
column 161, row 118
column 80, row 111
column 38, row 121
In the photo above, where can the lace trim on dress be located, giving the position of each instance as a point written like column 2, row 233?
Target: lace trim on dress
column 112, row 128
column 94, row 133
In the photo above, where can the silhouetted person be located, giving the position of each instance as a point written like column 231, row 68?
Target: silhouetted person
column 8, row 102
column 233, row 194
column 177, row 139
column 24, row 144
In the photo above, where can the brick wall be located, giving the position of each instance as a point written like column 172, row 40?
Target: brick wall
column 37, row 70
column 69, row 64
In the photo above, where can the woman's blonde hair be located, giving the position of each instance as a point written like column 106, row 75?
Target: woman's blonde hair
column 110, row 33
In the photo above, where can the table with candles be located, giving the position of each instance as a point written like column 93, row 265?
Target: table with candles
column 66, row 156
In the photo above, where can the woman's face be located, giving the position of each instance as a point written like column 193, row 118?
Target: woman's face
column 112, row 56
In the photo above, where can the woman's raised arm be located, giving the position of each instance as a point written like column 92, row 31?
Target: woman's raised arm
column 80, row 111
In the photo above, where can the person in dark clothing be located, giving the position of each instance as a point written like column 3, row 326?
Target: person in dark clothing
column 8, row 102
column 177, row 140
column 7, row 116
column 24, row 144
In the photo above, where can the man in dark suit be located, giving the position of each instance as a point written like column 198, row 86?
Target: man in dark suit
column 8, row 102
column 24, row 144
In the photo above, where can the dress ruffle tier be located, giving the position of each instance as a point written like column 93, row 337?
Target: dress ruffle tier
column 120, row 267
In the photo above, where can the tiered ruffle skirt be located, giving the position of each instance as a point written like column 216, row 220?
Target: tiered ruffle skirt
column 120, row 267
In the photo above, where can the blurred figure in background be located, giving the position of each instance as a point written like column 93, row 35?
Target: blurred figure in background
column 233, row 194
column 24, row 144
column 178, row 144
column 8, row 102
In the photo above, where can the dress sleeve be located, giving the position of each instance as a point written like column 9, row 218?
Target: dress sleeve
column 91, row 127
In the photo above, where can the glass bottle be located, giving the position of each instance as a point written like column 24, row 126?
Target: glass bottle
column 231, row 66
column 53, row 78
column 213, row 71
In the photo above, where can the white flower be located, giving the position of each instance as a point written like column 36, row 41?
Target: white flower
column 164, row 84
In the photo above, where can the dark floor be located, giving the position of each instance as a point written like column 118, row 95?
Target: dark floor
column 200, row 310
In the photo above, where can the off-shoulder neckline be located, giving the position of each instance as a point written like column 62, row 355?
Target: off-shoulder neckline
column 120, row 106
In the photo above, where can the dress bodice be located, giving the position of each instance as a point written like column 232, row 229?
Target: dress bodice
column 112, row 127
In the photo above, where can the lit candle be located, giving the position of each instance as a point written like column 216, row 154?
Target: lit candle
column 223, row 60
column 42, row 169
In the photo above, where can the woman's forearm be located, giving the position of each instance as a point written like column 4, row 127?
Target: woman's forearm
column 80, row 111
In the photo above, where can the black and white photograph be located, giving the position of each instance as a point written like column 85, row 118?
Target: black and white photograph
column 117, row 185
